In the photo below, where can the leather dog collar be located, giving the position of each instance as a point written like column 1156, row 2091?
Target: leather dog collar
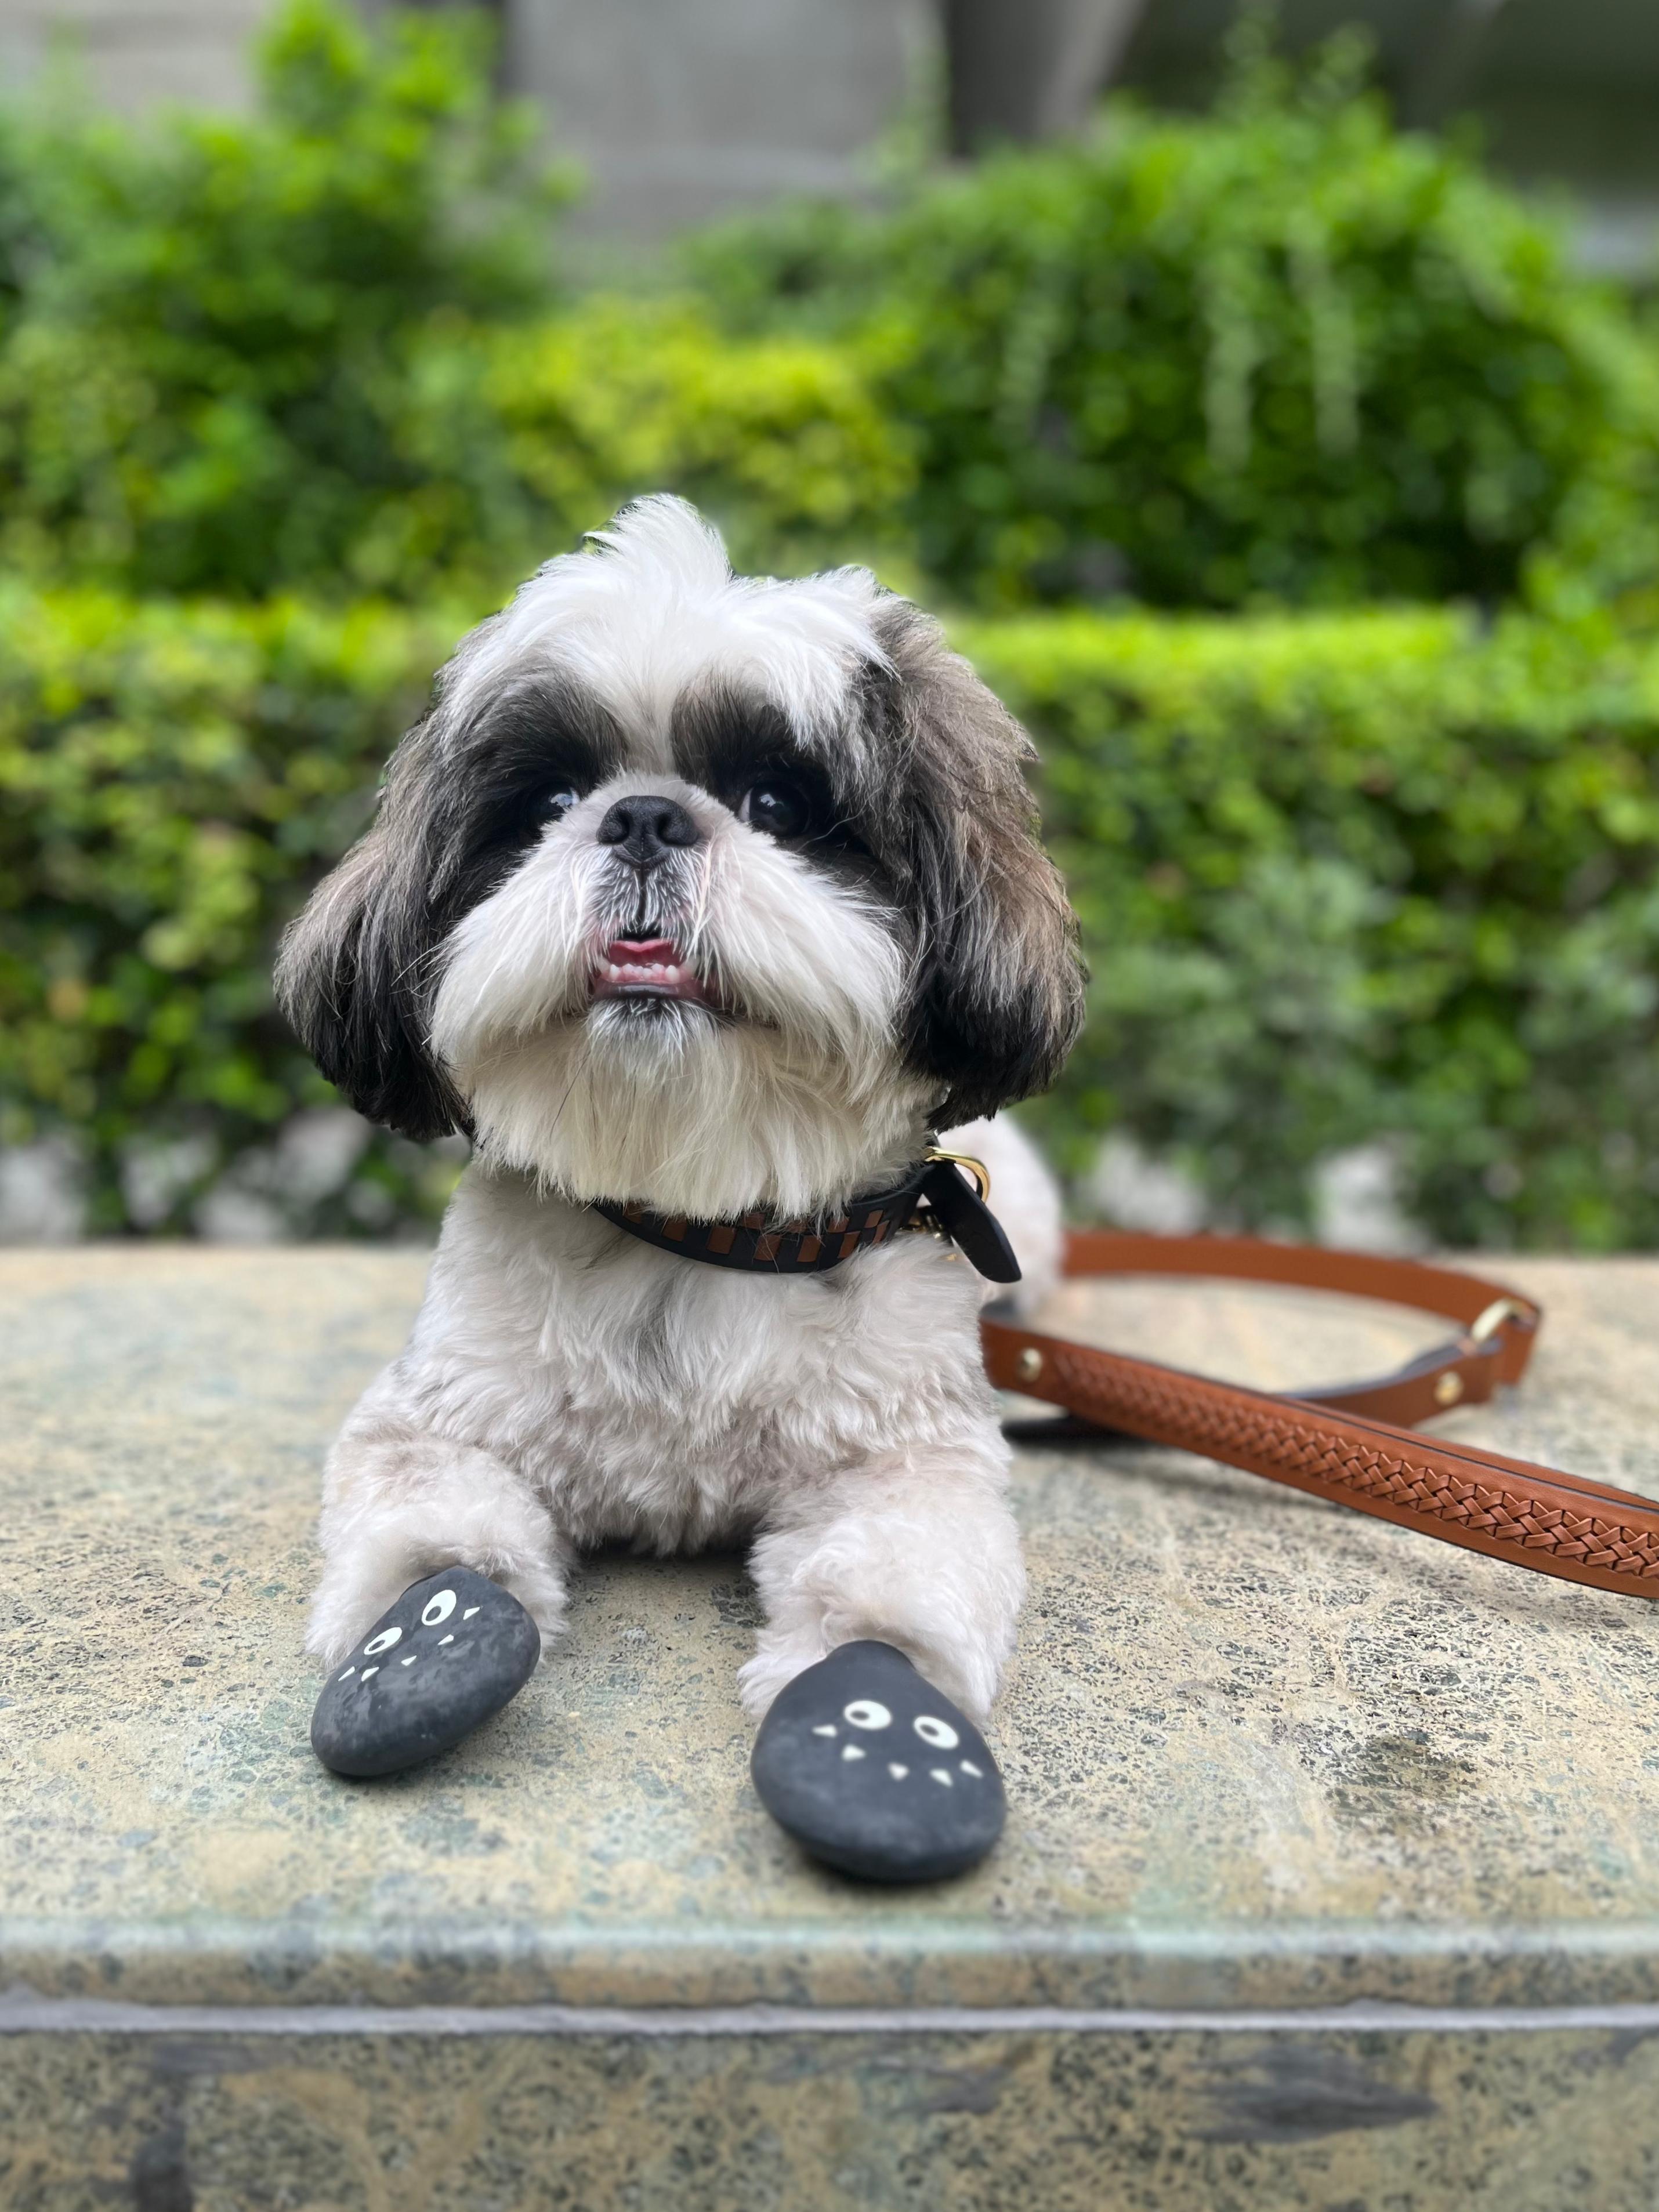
column 932, row 1196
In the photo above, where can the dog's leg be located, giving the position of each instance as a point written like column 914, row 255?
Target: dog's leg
column 918, row 1550
column 399, row 1502
column 442, row 1576
column 890, row 1590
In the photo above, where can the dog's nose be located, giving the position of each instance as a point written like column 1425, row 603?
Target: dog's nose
column 647, row 828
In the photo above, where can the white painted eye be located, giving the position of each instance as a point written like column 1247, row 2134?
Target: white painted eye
column 939, row 1734
column 438, row 1608
column 865, row 1713
column 383, row 1642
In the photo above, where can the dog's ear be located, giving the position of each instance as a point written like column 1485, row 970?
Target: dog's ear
column 354, row 974
column 997, row 999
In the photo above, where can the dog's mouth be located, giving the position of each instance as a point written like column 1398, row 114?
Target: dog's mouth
column 648, row 968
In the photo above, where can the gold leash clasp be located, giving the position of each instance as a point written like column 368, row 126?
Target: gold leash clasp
column 977, row 1168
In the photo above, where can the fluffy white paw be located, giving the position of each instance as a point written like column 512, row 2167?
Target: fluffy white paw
column 357, row 1588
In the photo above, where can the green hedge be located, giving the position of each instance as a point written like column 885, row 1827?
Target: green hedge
column 171, row 777
column 779, row 439
column 212, row 329
column 320, row 348
column 1282, row 351
column 1340, row 876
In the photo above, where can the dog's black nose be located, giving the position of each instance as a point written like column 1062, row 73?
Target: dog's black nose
column 647, row 828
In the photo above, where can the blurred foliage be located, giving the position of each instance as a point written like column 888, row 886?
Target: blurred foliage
column 1282, row 351
column 287, row 401
column 173, row 779
column 206, row 372
column 1350, row 875
column 779, row 439
column 321, row 346
column 1340, row 875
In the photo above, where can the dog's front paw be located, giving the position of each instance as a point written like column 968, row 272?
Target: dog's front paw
column 358, row 1586
column 448, row 1655
column 871, row 1769
column 350, row 1598
column 415, row 1511
column 779, row 1657
column 966, row 1671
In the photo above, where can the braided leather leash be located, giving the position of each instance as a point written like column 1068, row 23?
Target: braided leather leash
column 1346, row 1444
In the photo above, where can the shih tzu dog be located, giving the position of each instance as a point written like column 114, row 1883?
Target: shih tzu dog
column 704, row 904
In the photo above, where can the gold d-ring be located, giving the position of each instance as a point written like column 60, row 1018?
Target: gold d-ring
column 977, row 1168
column 1489, row 1322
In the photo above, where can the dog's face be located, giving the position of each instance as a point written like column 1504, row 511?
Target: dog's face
column 705, row 891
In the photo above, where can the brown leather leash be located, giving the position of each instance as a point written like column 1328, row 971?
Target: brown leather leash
column 1352, row 1443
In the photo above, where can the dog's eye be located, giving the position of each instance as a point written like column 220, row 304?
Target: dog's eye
column 552, row 805
column 776, row 806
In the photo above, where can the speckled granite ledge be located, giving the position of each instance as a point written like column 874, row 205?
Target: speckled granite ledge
column 1265, row 1760
column 1259, row 1752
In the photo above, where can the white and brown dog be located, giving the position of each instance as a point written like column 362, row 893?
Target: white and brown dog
column 713, row 896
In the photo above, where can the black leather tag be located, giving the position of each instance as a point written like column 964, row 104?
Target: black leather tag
column 969, row 1223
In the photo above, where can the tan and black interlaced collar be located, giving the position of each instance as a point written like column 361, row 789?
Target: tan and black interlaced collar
column 933, row 1196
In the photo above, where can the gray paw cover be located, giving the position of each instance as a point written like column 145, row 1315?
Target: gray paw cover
column 450, row 1653
column 871, row 1770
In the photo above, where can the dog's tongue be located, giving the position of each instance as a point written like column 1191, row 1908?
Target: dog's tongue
column 643, row 952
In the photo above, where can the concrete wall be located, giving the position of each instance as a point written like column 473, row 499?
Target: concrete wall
column 681, row 108
column 1565, row 94
column 678, row 108
column 135, row 54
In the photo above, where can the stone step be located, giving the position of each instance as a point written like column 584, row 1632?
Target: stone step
column 1331, row 1877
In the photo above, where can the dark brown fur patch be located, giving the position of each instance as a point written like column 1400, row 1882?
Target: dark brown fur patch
column 999, row 992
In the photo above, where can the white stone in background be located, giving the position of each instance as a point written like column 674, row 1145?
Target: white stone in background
column 41, row 1200
column 314, row 1155
column 153, row 1177
column 318, row 1150
column 233, row 1214
column 680, row 112
column 1132, row 1189
column 1356, row 1197
column 1355, row 1193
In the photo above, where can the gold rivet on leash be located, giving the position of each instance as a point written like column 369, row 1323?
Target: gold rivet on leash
column 1028, row 1366
column 1447, row 1390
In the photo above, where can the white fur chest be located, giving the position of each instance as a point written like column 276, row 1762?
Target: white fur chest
column 658, row 1400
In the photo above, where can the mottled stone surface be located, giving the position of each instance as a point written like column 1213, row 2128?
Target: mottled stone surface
column 1259, row 1753
column 1258, row 1750
column 995, row 2123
